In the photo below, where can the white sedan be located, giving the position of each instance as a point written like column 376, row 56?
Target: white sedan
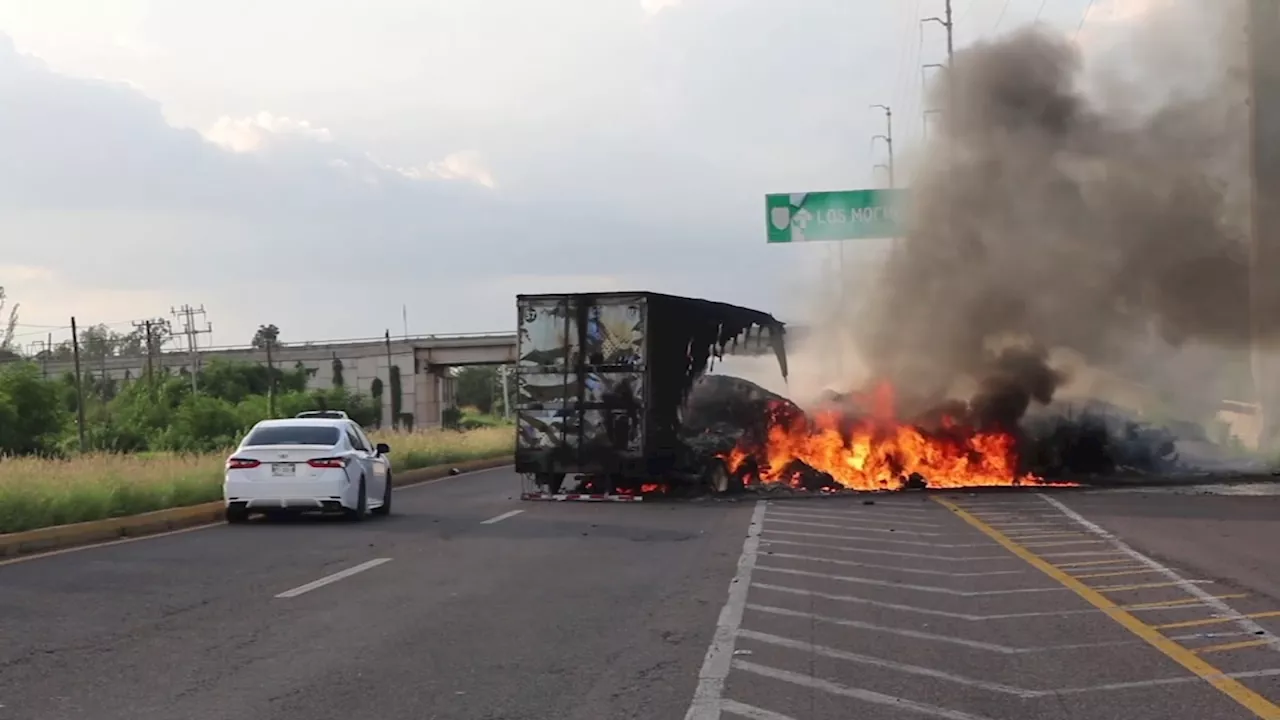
column 307, row 464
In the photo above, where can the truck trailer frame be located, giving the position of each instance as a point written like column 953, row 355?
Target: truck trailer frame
column 601, row 383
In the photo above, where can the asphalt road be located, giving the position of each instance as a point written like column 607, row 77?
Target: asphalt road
column 958, row 606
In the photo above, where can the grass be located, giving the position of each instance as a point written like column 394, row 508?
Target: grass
column 37, row 493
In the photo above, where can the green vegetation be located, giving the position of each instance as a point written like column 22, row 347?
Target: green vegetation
column 155, row 442
column 37, row 492
column 38, row 416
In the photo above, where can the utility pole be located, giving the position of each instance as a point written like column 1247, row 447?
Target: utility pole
column 390, row 393
column 149, row 340
column 48, row 351
column 949, row 24
column 887, row 137
column 75, row 356
column 506, row 392
column 950, row 27
column 271, row 381
column 186, row 316
column 927, row 115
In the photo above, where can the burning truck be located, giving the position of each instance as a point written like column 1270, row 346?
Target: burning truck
column 614, row 391
column 602, row 383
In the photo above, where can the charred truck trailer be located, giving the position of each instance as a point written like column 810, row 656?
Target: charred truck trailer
column 602, row 380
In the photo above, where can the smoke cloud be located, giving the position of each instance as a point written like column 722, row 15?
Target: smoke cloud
column 1049, row 212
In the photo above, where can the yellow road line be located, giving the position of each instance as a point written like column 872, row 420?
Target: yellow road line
column 1215, row 620
column 1144, row 586
column 1118, row 573
column 1255, row 703
column 1183, row 602
column 1233, row 646
column 1074, row 565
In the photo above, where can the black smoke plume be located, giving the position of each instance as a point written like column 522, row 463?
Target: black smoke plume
column 1044, row 217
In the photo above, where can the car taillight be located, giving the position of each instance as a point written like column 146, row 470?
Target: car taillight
column 328, row 463
column 242, row 464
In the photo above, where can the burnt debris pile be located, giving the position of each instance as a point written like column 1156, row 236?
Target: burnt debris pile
column 722, row 410
column 1097, row 439
column 1063, row 441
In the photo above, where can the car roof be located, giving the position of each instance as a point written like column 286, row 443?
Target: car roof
column 321, row 422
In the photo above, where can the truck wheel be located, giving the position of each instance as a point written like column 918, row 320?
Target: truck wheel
column 717, row 477
column 551, row 481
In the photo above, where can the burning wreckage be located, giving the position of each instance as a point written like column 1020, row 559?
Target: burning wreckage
column 612, row 390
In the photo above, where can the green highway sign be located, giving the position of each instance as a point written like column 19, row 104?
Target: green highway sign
column 838, row 215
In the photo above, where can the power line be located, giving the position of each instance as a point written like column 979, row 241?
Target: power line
column 1083, row 18
column 1000, row 18
column 1043, row 4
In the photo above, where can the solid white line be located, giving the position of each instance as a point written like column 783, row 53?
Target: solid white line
column 751, row 712
column 912, row 608
column 856, row 538
column 108, row 543
column 869, row 696
column 898, row 568
column 328, row 579
column 838, row 654
column 904, row 586
column 894, row 553
column 719, row 657
column 1188, row 586
column 847, row 526
column 501, row 517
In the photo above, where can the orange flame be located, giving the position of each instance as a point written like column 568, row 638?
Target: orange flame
column 880, row 453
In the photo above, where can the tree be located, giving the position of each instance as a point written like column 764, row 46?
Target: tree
column 266, row 335
column 10, row 325
column 30, row 413
column 98, row 342
column 396, row 397
column 477, row 386
column 375, row 390
column 338, row 380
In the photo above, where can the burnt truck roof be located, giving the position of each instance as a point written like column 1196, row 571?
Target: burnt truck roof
column 754, row 317
column 704, row 323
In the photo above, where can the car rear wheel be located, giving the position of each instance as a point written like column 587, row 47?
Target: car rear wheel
column 362, row 505
column 236, row 514
column 385, row 509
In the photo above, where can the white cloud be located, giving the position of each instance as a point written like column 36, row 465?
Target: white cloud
column 255, row 133
column 653, row 7
column 465, row 165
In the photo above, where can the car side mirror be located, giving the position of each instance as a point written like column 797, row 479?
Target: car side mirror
column 383, row 449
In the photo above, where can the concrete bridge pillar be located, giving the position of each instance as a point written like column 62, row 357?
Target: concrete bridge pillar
column 434, row 391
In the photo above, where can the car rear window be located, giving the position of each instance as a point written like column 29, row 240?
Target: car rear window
column 293, row 435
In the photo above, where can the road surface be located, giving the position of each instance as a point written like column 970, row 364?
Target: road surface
column 469, row 604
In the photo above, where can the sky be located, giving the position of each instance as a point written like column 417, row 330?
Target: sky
column 334, row 167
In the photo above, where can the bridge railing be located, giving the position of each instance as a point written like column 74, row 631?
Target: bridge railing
column 286, row 346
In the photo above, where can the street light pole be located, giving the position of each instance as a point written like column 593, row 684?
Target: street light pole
column 887, row 137
column 950, row 27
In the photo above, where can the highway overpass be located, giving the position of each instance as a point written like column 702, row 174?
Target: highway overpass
column 423, row 358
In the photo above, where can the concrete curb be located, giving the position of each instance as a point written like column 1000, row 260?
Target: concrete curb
column 60, row 537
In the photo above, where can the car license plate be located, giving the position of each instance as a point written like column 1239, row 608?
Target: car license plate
column 282, row 469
